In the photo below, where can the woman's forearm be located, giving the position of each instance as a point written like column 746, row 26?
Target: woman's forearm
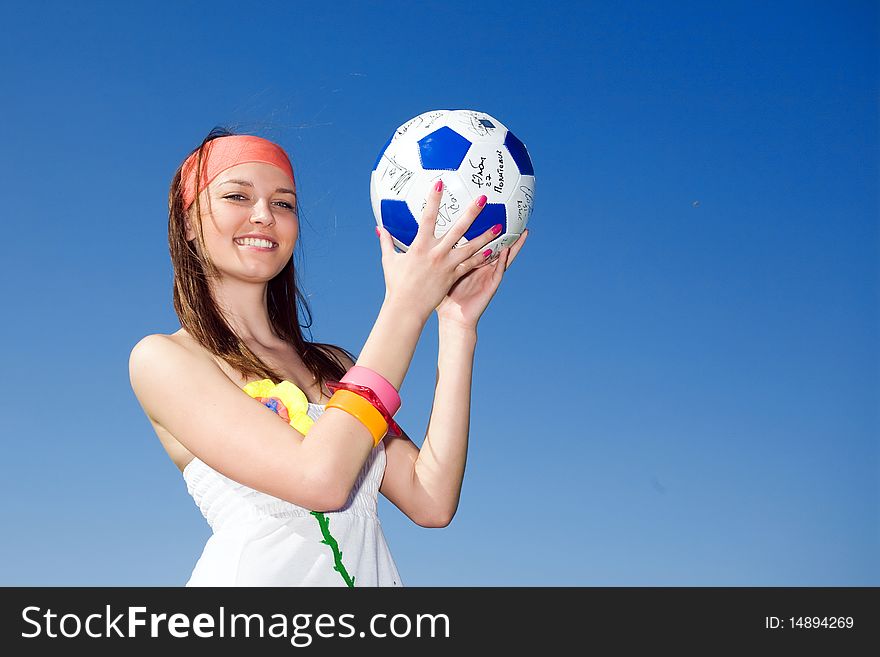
column 339, row 443
column 439, row 469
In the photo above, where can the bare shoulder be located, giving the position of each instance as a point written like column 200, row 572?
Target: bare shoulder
column 144, row 355
column 180, row 338
column 156, row 350
column 149, row 358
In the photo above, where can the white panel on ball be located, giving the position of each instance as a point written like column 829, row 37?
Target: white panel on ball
column 519, row 205
column 489, row 169
column 476, row 126
column 419, row 126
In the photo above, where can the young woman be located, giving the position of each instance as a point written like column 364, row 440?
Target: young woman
column 285, row 469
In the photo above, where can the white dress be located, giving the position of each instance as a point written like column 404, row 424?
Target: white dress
column 261, row 540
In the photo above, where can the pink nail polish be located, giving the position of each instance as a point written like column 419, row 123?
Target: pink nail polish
column 496, row 229
column 377, row 231
column 487, row 253
column 439, row 186
column 481, row 201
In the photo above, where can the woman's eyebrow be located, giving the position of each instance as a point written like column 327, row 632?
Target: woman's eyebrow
column 248, row 183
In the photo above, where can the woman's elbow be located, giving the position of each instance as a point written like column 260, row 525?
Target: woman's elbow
column 318, row 495
column 436, row 521
column 330, row 499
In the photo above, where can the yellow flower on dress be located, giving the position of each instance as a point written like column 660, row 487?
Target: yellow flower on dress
column 285, row 399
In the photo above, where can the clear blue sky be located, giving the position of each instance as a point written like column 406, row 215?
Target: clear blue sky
column 678, row 382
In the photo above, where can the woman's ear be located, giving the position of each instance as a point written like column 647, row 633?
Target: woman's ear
column 188, row 223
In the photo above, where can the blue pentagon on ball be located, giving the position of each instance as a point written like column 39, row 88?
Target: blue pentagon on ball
column 443, row 149
column 399, row 221
column 519, row 154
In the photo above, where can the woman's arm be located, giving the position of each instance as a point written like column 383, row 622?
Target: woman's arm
column 426, row 484
column 190, row 397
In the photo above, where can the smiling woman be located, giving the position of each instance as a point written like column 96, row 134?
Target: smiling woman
column 240, row 224
column 283, row 443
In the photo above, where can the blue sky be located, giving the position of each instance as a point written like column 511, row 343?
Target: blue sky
column 678, row 382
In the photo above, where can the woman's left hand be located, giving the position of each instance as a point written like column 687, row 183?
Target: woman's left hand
column 470, row 295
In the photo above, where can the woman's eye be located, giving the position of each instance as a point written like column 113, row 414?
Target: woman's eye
column 285, row 204
column 235, row 196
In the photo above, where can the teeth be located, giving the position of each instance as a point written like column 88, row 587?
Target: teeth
column 250, row 241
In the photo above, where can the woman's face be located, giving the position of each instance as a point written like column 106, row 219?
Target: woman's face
column 252, row 197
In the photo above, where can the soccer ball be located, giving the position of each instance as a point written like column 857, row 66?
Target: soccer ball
column 474, row 154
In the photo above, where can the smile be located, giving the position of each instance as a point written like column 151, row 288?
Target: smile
column 259, row 245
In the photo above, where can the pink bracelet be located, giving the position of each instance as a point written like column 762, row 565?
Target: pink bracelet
column 370, row 396
column 386, row 392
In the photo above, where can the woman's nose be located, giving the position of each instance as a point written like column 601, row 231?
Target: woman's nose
column 262, row 212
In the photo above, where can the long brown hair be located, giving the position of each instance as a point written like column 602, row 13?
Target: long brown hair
column 199, row 314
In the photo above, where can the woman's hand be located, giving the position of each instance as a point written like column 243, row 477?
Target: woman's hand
column 419, row 279
column 470, row 295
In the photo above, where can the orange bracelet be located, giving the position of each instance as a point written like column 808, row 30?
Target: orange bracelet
column 353, row 404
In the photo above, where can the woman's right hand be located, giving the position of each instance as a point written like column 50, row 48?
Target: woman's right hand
column 420, row 278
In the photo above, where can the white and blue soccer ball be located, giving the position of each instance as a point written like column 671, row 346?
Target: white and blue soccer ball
column 474, row 154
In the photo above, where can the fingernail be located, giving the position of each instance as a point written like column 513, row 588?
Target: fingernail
column 481, row 201
column 496, row 228
column 377, row 231
column 487, row 253
column 439, row 186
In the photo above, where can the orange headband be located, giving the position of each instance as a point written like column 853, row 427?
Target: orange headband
column 225, row 152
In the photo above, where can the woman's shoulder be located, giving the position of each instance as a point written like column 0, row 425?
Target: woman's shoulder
column 178, row 336
column 178, row 346
column 153, row 350
column 158, row 361
column 160, row 342
column 181, row 337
